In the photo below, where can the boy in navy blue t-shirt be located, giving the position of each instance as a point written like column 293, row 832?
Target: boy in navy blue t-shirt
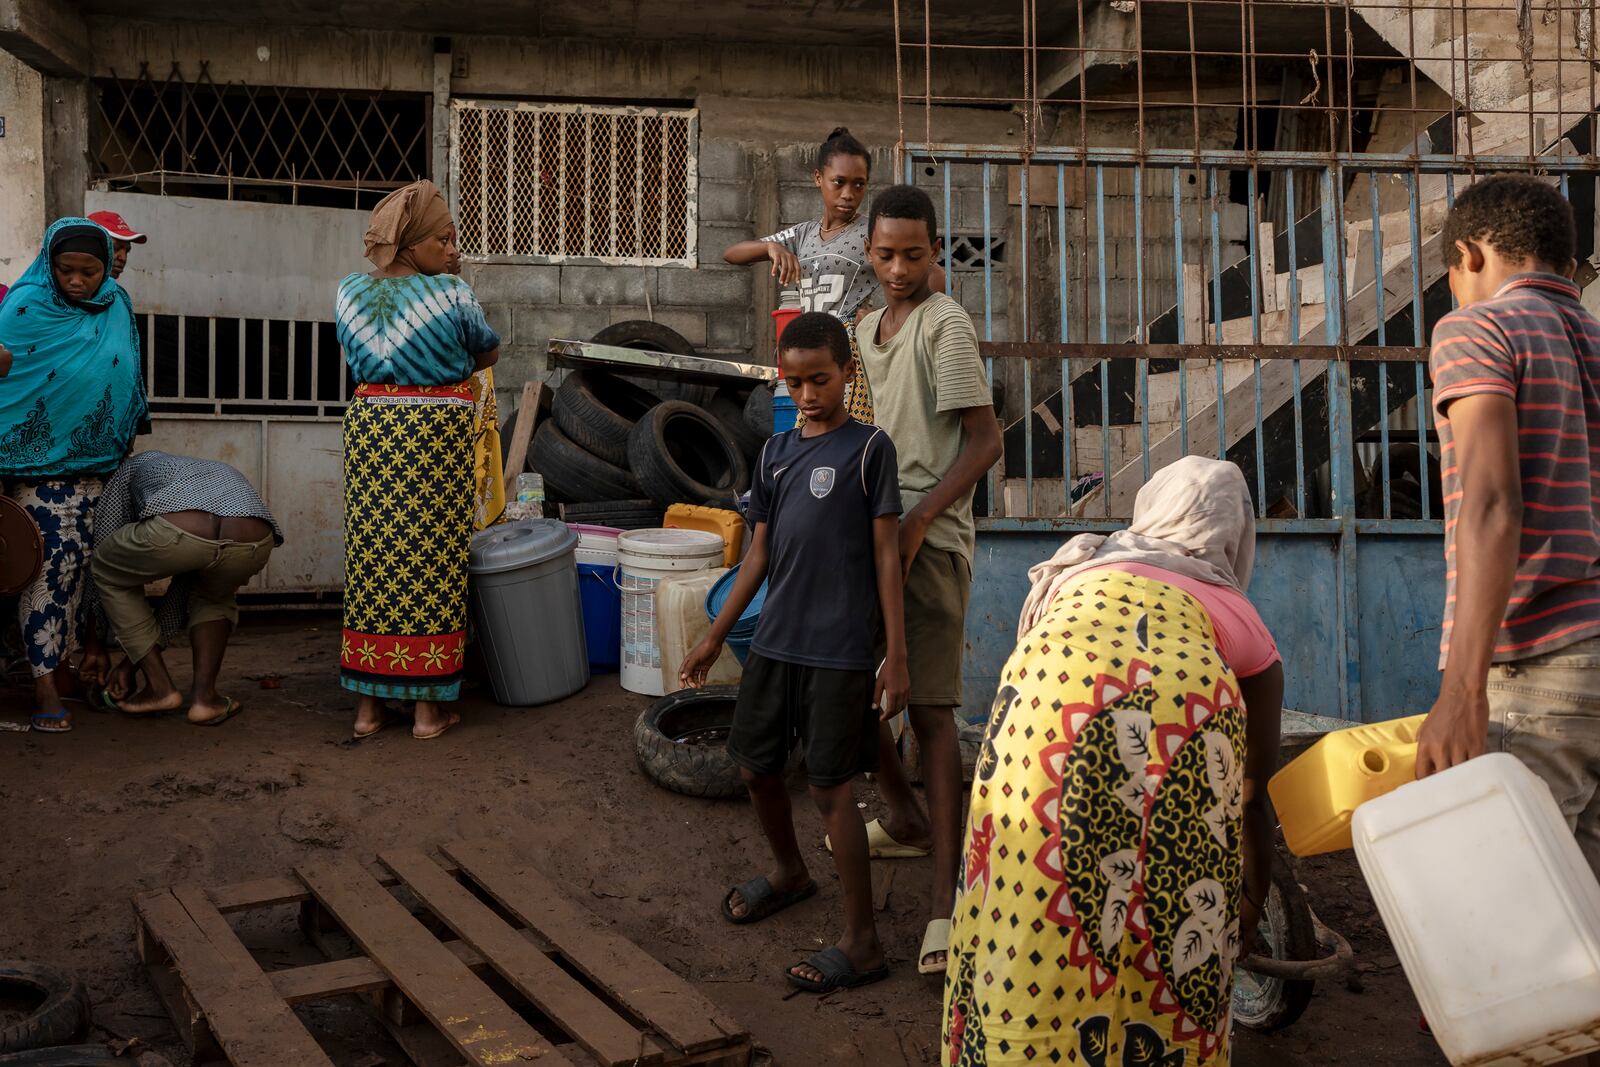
column 826, row 508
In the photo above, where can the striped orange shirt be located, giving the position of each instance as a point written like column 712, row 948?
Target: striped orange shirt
column 1532, row 341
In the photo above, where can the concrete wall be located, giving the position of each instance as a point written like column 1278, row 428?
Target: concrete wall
column 762, row 111
column 22, row 153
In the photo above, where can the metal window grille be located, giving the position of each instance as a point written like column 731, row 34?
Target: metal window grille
column 563, row 181
column 198, row 365
column 198, row 137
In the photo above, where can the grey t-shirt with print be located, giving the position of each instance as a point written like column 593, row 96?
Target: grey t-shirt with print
column 834, row 274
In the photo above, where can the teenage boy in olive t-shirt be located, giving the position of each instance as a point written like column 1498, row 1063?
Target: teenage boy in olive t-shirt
column 931, row 395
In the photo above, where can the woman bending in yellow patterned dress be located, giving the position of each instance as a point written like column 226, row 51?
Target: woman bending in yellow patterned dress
column 1120, row 838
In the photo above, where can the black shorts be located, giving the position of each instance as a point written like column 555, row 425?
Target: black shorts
column 782, row 704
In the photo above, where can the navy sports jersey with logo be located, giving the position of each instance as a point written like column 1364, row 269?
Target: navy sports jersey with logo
column 818, row 497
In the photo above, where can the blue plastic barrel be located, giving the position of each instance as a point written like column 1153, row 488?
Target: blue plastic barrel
column 602, row 616
column 744, row 631
column 783, row 409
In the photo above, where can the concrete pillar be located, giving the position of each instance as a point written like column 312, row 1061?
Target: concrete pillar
column 66, row 145
column 441, row 118
column 22, row 170
column 764, row 295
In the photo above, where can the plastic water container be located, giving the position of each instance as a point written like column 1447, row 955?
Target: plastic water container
column 1492, row 910
column 724, row 522
column 1316, row 794
column 744, row 631
column 602, row 600
column 784, row 413
column 528, row 613
column 681, row 618
column 644, row 557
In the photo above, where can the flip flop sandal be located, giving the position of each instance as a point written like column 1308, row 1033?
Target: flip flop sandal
column 440, row 732
column 935, row 939
column 837, row 972
column 229, row 710
column 40, row 721
column 880, row 846
column 761, row 900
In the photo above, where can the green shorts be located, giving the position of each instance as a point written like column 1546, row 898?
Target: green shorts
column 937, row 591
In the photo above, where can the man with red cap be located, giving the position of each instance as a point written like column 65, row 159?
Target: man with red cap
column 123, row 238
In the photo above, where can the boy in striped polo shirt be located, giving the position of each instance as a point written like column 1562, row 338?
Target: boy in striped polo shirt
column 1517, row 407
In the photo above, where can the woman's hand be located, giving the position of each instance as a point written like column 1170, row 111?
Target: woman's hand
column 697, row 664
column 96, row 664
column 785, row 264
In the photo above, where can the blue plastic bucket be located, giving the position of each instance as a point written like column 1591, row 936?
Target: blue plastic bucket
column 783, row 412
column 602, row 616
column 744, row 631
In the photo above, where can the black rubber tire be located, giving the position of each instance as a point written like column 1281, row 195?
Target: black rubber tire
column 78, row 1056
column 647, row 336
column 575, row 474
column 758, row 411
column 617, row 514
column 596, row 410
column 61, row 1015
column 1271, row 1004
column 681, row 454
column 727, row 407
column 702, row 770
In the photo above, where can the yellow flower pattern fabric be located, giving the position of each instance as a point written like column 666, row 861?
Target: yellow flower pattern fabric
column 409, row 500
column 488, row 471
column 1097, row 917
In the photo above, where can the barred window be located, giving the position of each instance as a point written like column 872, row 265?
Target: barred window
column 563, row 181
column 277, row 144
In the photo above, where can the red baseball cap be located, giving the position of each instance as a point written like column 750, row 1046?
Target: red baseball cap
column 117, row 227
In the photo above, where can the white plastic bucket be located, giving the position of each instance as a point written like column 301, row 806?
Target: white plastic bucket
column 644, row 557
column 597, row 545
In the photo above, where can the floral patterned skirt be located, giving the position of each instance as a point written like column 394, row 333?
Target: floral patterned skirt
column 49, row 611
column 1097, row 917
column 408, row 511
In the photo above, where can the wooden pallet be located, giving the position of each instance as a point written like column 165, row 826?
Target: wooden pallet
column 575, row 993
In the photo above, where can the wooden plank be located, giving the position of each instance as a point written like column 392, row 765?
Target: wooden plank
column 630, row 976
column 481, row 1026
column 251, row 1023
column 319, row 980
column 579, row 1013
column 521, row 434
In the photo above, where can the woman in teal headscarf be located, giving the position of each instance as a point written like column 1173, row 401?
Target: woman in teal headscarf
column 68, row 413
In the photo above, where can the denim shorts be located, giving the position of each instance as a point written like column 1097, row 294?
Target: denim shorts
column 1546, row 711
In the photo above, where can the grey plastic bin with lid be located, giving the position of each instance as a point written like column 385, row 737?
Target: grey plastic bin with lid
column 527, row 610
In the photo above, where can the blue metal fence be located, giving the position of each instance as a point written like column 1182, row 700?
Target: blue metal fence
column 1311, row 376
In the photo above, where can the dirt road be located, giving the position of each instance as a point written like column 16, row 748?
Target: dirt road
column 121, row 805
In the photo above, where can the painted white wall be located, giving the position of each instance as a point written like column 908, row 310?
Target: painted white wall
column 22, row 220
column 235, row 259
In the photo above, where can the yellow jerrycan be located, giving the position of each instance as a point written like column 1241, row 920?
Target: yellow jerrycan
column 1316, row 794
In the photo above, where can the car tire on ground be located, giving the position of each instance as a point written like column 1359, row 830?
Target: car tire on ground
column 80, row 1056
column 61, row 1015
column 1287, row 932
column 617, row 514
column 596, row 410
column 647, row 336
column 728, row 408
column 758, row 411
column 575, row 474
column 681, row 454
column 681, row 742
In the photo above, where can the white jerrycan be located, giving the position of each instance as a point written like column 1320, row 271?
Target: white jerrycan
column 1492, row 909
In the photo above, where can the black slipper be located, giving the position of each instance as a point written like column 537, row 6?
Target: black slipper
column 837, row 972
column 761, row 900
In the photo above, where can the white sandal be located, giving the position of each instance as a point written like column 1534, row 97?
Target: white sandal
column 935, row 939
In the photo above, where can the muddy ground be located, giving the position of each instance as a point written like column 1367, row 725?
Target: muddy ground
column 122, row 805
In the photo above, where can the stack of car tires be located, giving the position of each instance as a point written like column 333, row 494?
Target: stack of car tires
column 619, row 451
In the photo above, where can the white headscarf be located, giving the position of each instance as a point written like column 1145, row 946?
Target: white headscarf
column 1191, row 518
